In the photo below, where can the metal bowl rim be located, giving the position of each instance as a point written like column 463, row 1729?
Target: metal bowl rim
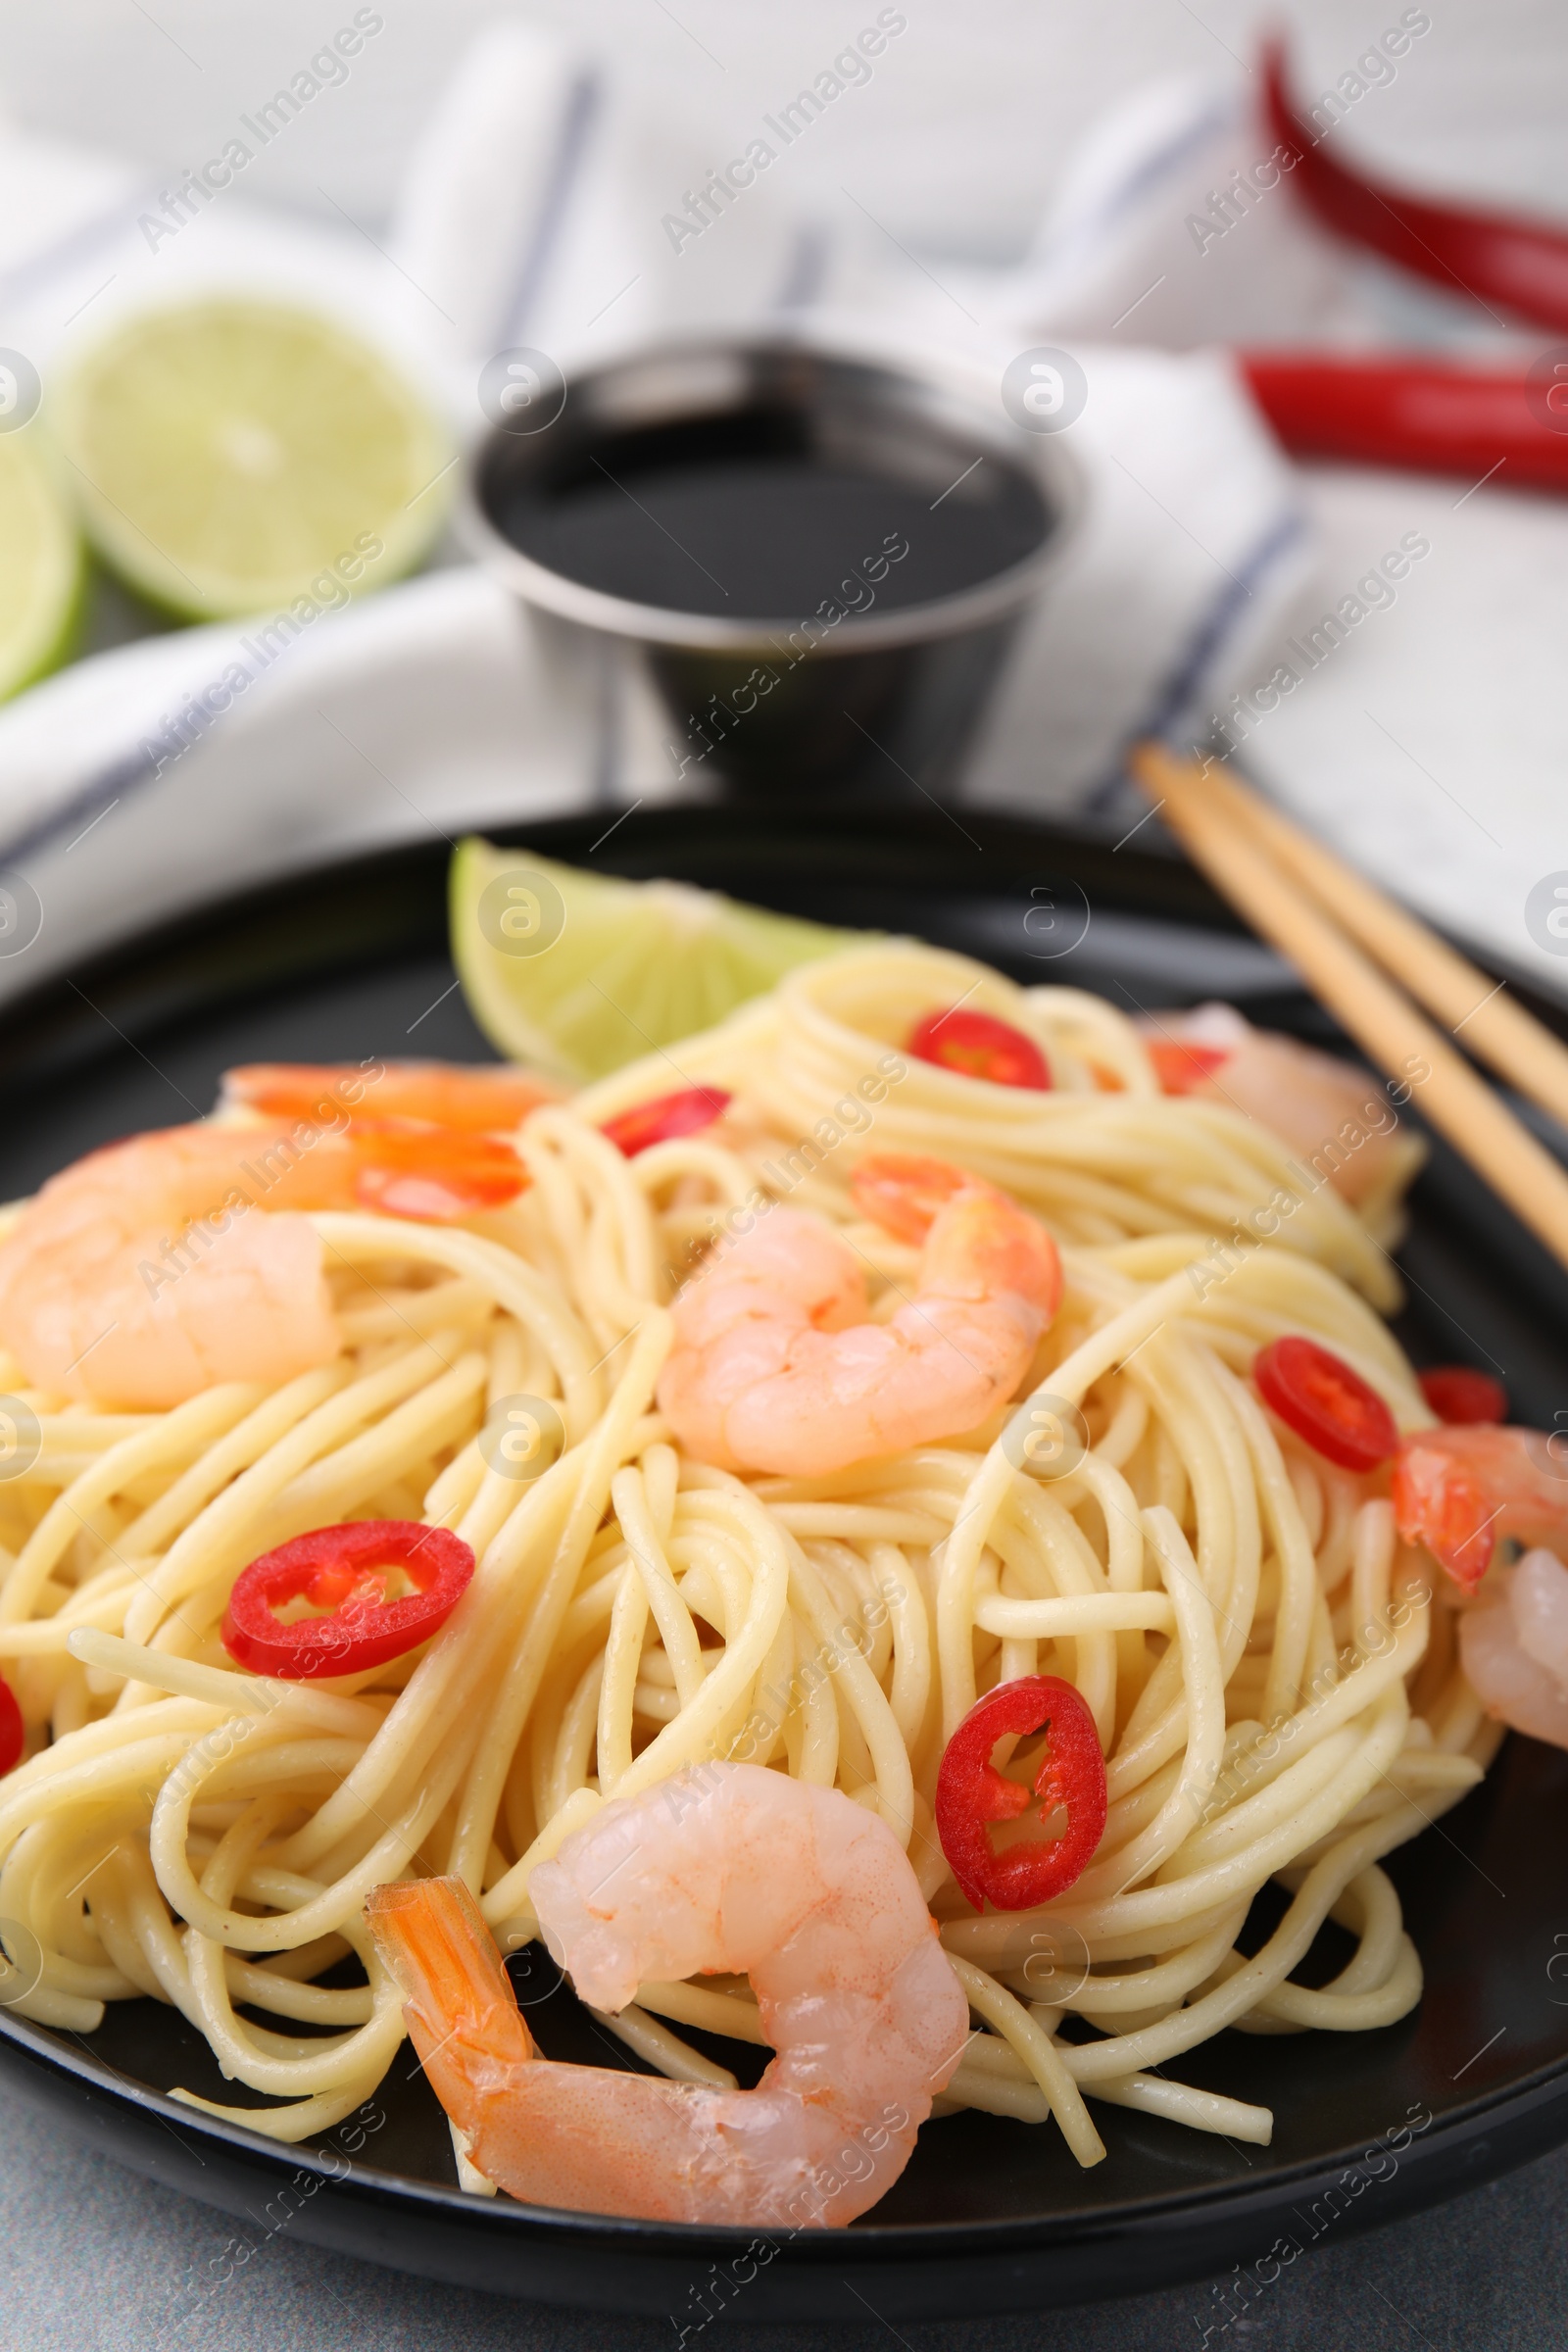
column 1055, row 471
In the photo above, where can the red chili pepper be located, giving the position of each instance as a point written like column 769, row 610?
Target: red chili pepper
column 1459, row 1396
column 1316, row 1394
column 1416, row 414
column 1523, row 264
column 12, row 1731
column 685, row 1112
column 979, row 1046
column 1182, row 1069
column 971, row 1793
column 343, row 1570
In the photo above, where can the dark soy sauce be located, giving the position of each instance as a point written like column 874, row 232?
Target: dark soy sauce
column 740, row 516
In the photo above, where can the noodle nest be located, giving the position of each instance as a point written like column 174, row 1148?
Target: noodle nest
column 1274, row 1679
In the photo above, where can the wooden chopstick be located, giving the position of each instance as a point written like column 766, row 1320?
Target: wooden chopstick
column 1376, row 1012
column 1496, row 1028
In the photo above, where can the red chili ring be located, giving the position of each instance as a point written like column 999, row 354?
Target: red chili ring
column 1463, row 1397
column 1315, row 1392
column 1183, row 1069
column 12, row 1731
column 685, row 1112
column 979, row 1046
column 337, row 1566
column 971, row 1795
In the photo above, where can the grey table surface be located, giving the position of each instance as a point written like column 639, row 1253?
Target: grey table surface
column 95, row 2260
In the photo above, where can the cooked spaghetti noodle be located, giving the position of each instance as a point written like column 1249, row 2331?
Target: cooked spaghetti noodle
column 1273, row 1680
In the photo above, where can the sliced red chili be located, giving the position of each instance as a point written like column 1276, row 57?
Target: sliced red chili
column 1316, row 1394
column 344, row 1571
column 685, row 1112
column 979, row 1046
column 971, row 1795
column 1459, row 1396
column 12, row 1731
column 1182, row 1069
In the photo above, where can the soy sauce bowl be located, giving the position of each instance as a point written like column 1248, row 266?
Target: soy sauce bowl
column 817, row 556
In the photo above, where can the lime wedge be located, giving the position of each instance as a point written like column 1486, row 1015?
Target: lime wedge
column 580, row 973
column 235, row 457
column 41, row 569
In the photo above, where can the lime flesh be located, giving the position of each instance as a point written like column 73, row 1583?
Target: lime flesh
column 579, row 973
column 233, row 457
column 41, row 569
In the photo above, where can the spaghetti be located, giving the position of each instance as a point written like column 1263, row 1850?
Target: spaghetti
column 1274, row 1681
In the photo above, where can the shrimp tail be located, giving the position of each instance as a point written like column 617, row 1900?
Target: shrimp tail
column 976, row 1241
column 980, row 1245
column 584, row 2138
column 1460, row 1491
column 547, row 2134
column 902, row 1192
column 730, row 1869
column 458, row 2002
column 1443, row 1503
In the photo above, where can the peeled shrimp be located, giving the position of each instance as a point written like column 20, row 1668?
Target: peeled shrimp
column 1514, row 1647
column 476, row 1099
column 1460, row 1491
column 776, row 1367
column 163, row 1264
column 727, row 1867
column 424, row 1138
column 131, row 1279
column 1326, row 1110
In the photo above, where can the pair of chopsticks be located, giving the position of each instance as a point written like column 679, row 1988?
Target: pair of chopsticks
column 1367, row 960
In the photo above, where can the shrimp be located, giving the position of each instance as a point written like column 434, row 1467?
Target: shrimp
column 776, row 1366
column 432, row 1148
column 1459, row 1491
column 1324, row 1109
column 1514, row 1648
column 162, row 1266
column 484, row 1099
column 727, row 1867
column 132, row 1281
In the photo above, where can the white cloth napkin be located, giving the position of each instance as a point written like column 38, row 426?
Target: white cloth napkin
column 413, row 715
column 535, row 212
column 533, row 203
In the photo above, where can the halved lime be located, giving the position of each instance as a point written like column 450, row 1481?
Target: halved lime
column 41, row 569
column 235, row 457
column 580, row 973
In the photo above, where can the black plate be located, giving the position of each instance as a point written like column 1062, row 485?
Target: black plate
column 990, row 2216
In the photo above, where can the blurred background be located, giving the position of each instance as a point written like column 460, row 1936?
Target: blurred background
column 963, row 143
column 457, row 183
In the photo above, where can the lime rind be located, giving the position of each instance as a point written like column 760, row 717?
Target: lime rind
column 234, row 455
column 636, row 966
column 43, row 573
